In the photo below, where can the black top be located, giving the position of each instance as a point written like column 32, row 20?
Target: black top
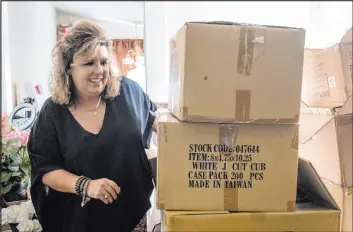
column 57, row 141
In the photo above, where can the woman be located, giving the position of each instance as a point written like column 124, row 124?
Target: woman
column 90, row 171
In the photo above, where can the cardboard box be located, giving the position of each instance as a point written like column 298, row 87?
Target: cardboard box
column 325, row 138
column 229, row 72
column 321, row 215
column 327, row 74
column 343, row 198
column 261, row 166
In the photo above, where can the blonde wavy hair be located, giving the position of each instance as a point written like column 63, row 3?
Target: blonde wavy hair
column 82, row 39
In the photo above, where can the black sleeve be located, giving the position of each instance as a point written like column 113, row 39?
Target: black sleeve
column 142, row 105
column 150, row 108
column 45, row 156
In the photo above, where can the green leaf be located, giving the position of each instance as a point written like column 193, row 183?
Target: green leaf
column 11, row 151
column 26, row 153
column 6, row 189
column 26, row 181
column 13, row 141
column 26, row 170
column 17, row 174
column 16, row 158
column 5, row 176
column 14, row 167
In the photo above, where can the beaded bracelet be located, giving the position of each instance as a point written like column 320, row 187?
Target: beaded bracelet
column 81, row 187
column 78, row 184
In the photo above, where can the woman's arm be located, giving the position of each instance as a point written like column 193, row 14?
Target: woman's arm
column 64, row 181
column 60, row 180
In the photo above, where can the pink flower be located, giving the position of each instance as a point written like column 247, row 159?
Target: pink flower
column 24, row 138
column 22, row 135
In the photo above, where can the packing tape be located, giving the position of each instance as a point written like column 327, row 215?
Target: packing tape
column 246, row 50
column 242, row 105
column 230, row 197
column 347, row 190
column 290, row 206
column 228, row 135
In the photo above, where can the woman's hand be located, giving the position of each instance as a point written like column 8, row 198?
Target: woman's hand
column 103, row 189
column 155, row 125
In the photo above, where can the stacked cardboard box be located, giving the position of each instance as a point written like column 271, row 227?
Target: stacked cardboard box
column 326, row 120
column 320, row 215
column 327, row 74
column 231, row 142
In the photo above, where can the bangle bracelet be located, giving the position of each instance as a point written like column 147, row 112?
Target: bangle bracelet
column 85, row 198
column 77, row 184
column 81, row 188
column 82, row 185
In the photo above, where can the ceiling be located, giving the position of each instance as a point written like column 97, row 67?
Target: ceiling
column 122, row 11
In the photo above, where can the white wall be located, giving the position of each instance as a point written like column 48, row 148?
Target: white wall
column 6, row 84
column 114, row 30
column 156, row 52
column 32, row 35
column 131, row 11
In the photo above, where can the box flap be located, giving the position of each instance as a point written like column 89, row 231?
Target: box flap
column 347, row 107
column 309, row 179
column 228, row 23
column 317, row 111
column 347, row 37
column 303, row 104
column 312, row 121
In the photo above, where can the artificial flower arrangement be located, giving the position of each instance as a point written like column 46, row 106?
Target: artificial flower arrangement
column 15, row 165
column 23, row 215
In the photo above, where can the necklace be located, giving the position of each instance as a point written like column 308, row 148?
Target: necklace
column 95, row 110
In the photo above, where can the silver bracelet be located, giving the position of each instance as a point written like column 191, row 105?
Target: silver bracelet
column 85, row 198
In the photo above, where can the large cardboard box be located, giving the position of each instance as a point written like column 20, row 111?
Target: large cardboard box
column 229, row 72
column 325, row 138
column 327, row 74
column 322, row 214
column 343, row 198
column 235, row 167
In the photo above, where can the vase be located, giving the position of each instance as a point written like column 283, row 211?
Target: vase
column 18, row 192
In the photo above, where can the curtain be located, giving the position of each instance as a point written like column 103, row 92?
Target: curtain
column 127, row 50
